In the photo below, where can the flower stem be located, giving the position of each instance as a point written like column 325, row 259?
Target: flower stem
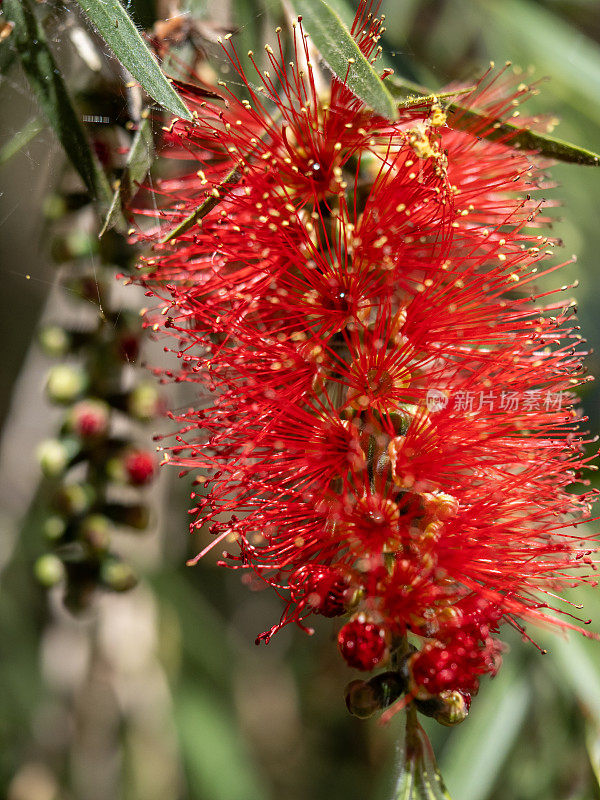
column 419, row 777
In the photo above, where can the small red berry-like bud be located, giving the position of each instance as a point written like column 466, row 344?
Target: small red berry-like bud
column 363, row 644
column 89, row 419
column 140, row 467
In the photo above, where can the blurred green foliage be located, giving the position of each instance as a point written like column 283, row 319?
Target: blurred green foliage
column 162, row 693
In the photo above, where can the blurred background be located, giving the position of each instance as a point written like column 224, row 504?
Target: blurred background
column 158, row 691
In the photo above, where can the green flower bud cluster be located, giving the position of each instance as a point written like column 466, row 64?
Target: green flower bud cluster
column 95, row 449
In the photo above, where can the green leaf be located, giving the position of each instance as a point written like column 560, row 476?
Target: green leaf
column 578, row 671
column 118, row 31
column 460, row 117
column 420, row 778
column 51, row 92
column 346, row 13
column 139, row 161
column 592, row 741
column 203, row 209
column 467, row 119
column 531, row 33
column 215, row 755
column 343, row 56
column 20, row 140
column 478, row 749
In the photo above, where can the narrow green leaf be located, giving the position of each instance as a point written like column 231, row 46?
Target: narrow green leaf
column 346, row 13
column 467, row 119
column 118, row 31
column 579, row 671
column 592, row 741
column 232, row 177
column 343, row 56
column 20, row 140
column 45, row 78
column 215, row 755
column 477, row 750
column 532, row 33
column 139, row 161
column 420, row 778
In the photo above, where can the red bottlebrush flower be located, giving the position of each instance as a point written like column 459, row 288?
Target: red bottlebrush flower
column 140, row 466
column 385, row 417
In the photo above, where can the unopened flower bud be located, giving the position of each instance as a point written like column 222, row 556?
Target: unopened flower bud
column 89, row 418
column 128, row 346
column 65, row 383
column 54, row 527
column 361, row 699
column 53, row 457
column 95, row 531
column 143, row 402
column 49, row 570
column 117, row 575
column 140, row 466
column 454, row 708
column 326, row 590
column 54, row 340
column 388, row 686
column 363, row 643
column 76, row 498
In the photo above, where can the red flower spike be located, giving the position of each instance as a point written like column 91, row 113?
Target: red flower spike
column 363, row 644
column 386, row 414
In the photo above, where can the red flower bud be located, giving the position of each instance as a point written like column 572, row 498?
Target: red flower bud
column 140, row 466
column 363, row 644
column 89, row 419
